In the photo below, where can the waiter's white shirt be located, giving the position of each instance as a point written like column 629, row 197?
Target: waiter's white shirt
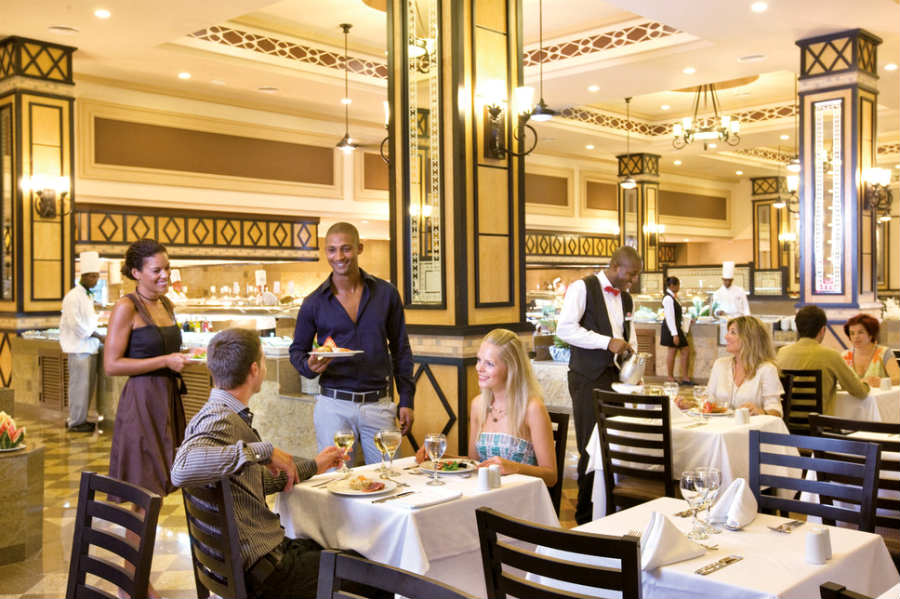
column 668, row 303
column 732, row 300
column 78, row 322
column 568, row 327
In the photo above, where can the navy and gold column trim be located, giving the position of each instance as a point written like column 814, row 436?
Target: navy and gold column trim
column 24, row 57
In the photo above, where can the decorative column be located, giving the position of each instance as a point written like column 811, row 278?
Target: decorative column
column 639, row 206
column 774, row 228
column 36, row 187
column 838, row 94
column 457, row 201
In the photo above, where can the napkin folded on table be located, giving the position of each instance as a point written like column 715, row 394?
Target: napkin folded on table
column 427, row 497
column 662, row 543
column 736, row 506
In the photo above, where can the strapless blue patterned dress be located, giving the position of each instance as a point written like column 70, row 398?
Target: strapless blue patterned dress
column 504, row 445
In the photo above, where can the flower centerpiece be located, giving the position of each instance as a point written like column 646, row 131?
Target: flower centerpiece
column 10, row 436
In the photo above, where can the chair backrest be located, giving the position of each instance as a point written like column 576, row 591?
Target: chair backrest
column 897, row 356
column 806, row 398
column 643, row 437
column 560, row 421
column 787, row 382
column 857, row 481
column 90, row 532
column 215, row 544
column 833, row 590
column 887, row 505
column 497, row 553
column 338, row 571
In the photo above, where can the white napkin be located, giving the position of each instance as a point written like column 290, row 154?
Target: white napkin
column 662, row 543
column 736, row 506
column 426, row 497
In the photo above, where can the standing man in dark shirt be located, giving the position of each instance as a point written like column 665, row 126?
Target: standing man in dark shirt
column 360, row 312
column 596, row 321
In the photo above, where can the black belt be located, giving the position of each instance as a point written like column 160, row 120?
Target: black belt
column 263, row 568
column 354, row 396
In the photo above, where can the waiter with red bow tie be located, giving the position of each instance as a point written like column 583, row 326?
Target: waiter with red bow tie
column 596, row 321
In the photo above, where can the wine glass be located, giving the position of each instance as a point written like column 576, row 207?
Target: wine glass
column 344, row 439
column 435, row 446
column 711, row 480
column 390, row 439
column 670, row 388
column 378, row 439
column 692, row 491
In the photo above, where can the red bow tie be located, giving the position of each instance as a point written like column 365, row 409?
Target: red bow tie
column 611, row 289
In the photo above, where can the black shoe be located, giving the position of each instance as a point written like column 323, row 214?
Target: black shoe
column 84, row 427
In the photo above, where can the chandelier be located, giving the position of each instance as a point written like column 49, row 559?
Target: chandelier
column 708, row 129
column 346, row 144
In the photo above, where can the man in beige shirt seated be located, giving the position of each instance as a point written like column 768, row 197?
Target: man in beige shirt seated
column 808, row 354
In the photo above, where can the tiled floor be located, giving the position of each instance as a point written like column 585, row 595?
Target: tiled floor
column 67, row 456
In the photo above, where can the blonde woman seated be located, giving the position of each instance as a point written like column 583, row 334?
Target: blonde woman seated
column 508, row 422
column 871, row 362
column 748, row 378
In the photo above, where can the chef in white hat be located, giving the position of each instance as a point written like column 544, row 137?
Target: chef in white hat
column 730, row 299
column 80, row 340
column 176, row 291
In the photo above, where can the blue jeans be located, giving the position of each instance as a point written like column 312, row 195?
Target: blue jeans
column 364, row 419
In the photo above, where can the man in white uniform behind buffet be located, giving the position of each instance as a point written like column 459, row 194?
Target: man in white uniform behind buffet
column 729, row 300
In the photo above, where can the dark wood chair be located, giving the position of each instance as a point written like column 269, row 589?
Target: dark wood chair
column 857, row 480
column 90, row 532
column 838, row 428
column 806, row 398
column 648, row 474
column 497, row 553
column 560, row 421
column 337, row 569
column 787, row 383
column 833, row 590
column 215, row 544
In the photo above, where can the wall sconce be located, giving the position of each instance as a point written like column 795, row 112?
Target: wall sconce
column 792, row 202
column 420, row 53
column 878, row 196
column 46, row 189
column 492, row 94
column 387, row 127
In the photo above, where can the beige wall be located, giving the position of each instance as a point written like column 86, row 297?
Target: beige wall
column 714, row 252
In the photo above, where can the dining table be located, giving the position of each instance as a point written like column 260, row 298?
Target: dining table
column 440, row 541
column 772, row 564
column 881, row 405
column 714, row 441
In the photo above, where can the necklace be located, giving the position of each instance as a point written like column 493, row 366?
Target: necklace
column 144, row 297
column 495, row 413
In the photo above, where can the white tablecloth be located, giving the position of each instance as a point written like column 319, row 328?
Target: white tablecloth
column 880, row 406
column 891, row 593
column 774, row 564
column 440, row 541
column 721, row 443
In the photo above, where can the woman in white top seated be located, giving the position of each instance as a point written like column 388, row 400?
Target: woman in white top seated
column 508, row 422
column 748, row 378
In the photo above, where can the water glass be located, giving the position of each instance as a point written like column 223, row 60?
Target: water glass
column 670, row 388
column 692, row 491
column 700, row 397
column 435, row 446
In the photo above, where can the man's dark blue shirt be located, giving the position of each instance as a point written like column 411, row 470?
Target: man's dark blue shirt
column 379, row 330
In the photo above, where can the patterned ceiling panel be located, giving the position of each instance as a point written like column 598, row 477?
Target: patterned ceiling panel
column 608, row 40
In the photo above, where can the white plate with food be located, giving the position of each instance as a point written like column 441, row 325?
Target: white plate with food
column 696, row 412
column 16, row 448
column 360, row 485
column 341, row 353
column 450, row 466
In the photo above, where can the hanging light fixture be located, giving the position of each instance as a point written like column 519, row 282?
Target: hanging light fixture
column 346, row 144
column 541, row 112
column 723, row 128
column 628, row 183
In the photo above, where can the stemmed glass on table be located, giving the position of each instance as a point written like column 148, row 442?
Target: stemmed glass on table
column 387, row 441
column 670, row 388
column 344, row 439
column 711, row 481
column 700, row 396
column 435, row 446
column 693, row 491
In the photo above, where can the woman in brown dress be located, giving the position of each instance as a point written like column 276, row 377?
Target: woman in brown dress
column 144, row 343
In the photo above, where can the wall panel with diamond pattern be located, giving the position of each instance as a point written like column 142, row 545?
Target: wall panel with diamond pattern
column 110, row 229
